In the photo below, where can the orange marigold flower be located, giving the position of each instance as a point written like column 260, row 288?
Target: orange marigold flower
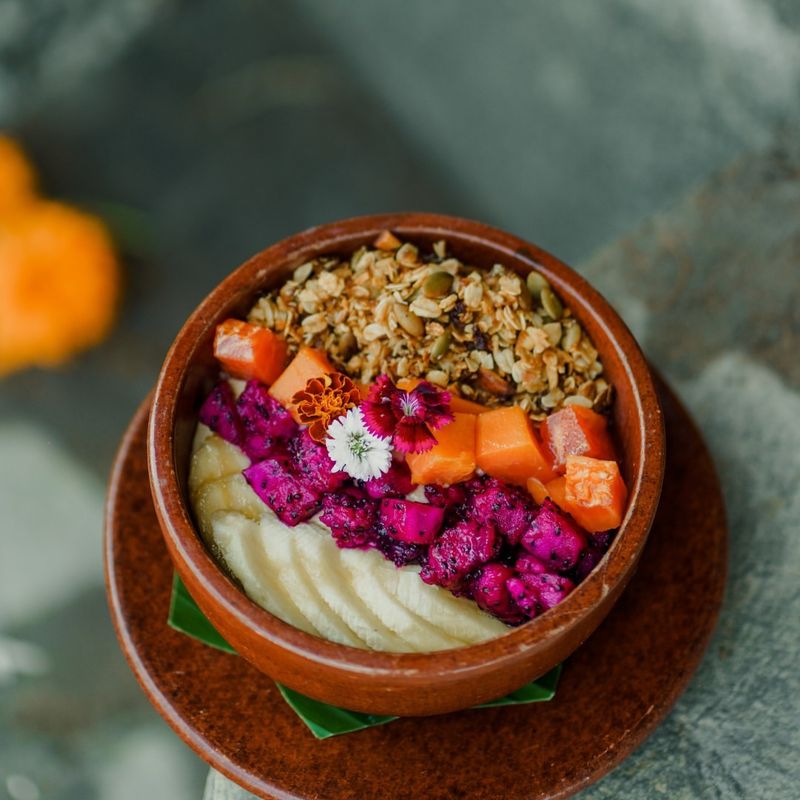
column 17, row 179
column 59, row 282
column 323, row 400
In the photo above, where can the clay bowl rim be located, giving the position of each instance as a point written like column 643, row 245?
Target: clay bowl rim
column 189, row 552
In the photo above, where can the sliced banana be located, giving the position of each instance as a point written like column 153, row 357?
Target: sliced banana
column 277, row 543
column 457, row 616
column 422, row 636
column 324, row 567
column 238, row 540
column 231, row 493
column 213, row 459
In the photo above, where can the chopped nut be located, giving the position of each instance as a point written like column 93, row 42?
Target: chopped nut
column 387, row 241
column 492, row 382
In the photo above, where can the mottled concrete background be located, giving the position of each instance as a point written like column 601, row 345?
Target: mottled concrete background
column 654, row 145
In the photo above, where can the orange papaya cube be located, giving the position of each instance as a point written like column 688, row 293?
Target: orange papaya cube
column 452, row 458
column 307, row 364
column 556, row 491
column 508, row 447
column 249, row 351
column 457, row 403
column 594, row 493
column 538, row 490
column 577, row 431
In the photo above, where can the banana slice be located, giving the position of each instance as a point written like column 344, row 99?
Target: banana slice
column 214, row 459
column 231, row 493
column 457, row 616
column 238, row 541
column 276, row 540
column 322, row 562
column 364, row 567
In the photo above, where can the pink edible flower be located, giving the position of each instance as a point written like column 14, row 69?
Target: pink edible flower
column 406, row 417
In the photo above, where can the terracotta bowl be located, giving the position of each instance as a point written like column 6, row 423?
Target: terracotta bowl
column 388, row 683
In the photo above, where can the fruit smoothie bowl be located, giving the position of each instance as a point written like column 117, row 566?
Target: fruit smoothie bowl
column 405, row 463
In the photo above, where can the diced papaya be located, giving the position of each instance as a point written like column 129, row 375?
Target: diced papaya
column 307, row 364
column 457, row 403
column 577, row 431
column 594, row 493
column 538, row 490
column 452, row 458
column 249, row 351
column 508, row 447
column 556, row 491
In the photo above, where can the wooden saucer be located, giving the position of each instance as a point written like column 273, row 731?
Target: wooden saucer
column 613, row 692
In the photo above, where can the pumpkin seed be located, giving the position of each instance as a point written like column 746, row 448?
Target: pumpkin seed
column 408, row 320
column 552, row 305
column 437, row 284
column 441, row 345
column 536, row 282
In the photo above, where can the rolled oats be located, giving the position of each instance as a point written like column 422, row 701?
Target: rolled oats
column 490, row 335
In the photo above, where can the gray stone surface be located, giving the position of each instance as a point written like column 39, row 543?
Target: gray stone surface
column 204, row 131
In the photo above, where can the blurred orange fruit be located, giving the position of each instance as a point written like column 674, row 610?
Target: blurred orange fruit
column 17, row 179
column 59, row 282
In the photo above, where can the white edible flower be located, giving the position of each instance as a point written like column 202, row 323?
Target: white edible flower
column 355, row 450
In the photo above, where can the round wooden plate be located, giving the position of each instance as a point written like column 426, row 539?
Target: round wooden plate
column 613, row 692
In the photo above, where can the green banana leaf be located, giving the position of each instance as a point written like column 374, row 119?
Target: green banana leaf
column 322, row 719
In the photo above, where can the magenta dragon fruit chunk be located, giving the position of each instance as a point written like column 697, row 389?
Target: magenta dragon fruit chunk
column 554, row 538
column 411, row 522
column 288, row 496
column 351, row 514
column 445, row 496
column 491, row 593
column 458, row 550
column 528, row 563
column 588, row 560
column 550, row 588
column 525, row 598
column 395, row 482
column 311, row 462
column 266, row 423
column 508, row 507
column 219, row 413
column 400, row 553
column 592, row 555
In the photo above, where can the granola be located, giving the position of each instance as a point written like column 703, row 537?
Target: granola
column 481, row 333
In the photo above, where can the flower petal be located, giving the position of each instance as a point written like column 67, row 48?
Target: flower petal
column 412, row 436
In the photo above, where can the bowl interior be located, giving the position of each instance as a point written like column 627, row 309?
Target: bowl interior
column 190, row 371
